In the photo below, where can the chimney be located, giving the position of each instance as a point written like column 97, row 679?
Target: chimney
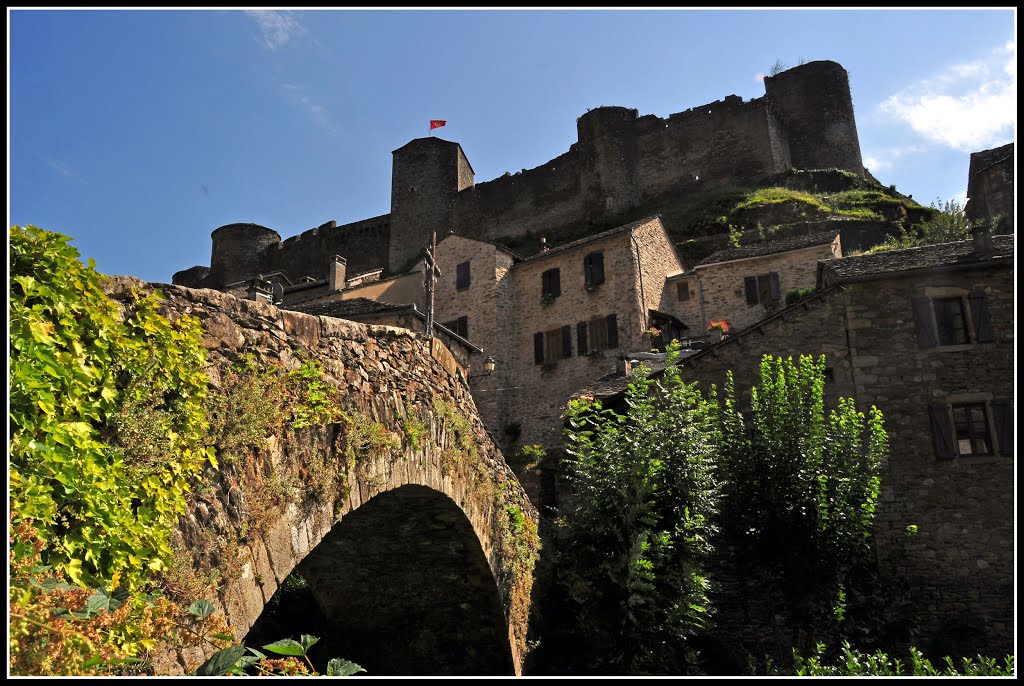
column 336, row 278
column 982, row 240
column 624, row 366
column 258, row 289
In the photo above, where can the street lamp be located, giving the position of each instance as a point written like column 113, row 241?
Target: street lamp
column 489, row 366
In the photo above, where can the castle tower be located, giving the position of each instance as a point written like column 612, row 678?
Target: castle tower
column 238, row 253
column 426, row 175
column 814, row 103
column 607, row 155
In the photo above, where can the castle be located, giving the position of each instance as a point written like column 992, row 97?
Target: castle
column 622, row 168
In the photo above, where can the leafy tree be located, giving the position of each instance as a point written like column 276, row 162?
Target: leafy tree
column 639, row 530
column 801, row 487
column 947, row 225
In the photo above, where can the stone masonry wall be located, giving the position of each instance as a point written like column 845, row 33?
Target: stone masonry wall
column 382, row 372
column 722, row 287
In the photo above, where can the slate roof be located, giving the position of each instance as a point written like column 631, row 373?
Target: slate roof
column 595, row 237
column 877, row 265
column 343, row 309
column 770, row 247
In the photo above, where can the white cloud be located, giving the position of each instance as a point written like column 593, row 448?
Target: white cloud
column 64, row 169
column 885, row 159
column 276, row 27
column 295, row 94
column 967, row 107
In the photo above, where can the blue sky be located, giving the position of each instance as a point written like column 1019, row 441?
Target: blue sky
column 139, row 132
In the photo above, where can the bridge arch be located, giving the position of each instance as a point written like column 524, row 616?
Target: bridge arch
column 390, row 379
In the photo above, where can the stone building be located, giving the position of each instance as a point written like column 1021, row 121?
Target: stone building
column 926, row 335
column 549, row 321
column 740, row 285
column 990, row 196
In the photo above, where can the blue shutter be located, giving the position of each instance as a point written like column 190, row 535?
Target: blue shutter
column 983, row 332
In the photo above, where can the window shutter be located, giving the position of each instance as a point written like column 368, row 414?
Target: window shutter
column 1002, row 415
column 581, row 338
column 556, row 286
column 566, row 341
column 750, row 285
column 774, row 286
column 463, row 327
column 588, row 270
column 924, row 318
column 597, row 268
column 462, row 276
column 545, row 284
column 613, row 332
column 983, row 332
column 538, row 348
column 942, row 431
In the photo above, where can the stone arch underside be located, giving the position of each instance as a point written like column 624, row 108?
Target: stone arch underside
column 385, row 376
column 403, row 588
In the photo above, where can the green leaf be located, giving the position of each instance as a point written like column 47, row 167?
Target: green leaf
column 308, row 641
column 286, row 646
column 221, row 661
column 201, row 608
column 339, row 667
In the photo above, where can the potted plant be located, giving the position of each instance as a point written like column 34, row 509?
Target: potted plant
column 717, row 329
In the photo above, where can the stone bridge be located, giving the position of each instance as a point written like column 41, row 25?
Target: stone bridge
column 420, row 557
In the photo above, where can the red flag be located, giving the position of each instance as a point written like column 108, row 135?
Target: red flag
column 437, row 123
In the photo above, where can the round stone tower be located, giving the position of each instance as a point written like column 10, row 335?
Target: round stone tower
column 814, row 103
column 238, row 252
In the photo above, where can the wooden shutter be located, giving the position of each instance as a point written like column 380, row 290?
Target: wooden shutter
column 942, row 431
column 538, row 348
column 581, row 338
column 462, row 326
column 588, row 270
column 462, row 276
column 983, row 332
column 566, row 341
column 597, row 268
column 545, row 284
column 556, row 286
column 613, row 332
column 924, row 318
column 750, row 286
column 1002, row 415
column 773, row 287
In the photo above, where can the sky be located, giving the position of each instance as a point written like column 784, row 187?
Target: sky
column 138, row 133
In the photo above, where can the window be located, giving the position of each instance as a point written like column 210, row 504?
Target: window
column 763, row 288
column 593, row 269
column 952, row 320
column 971, row 426
column 551, row 346
column 965, row 429
column 550, row 284
column 599, row 333
column 459, row 327
column 683, row 290
column 462, row 276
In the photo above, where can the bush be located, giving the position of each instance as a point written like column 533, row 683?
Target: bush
column 855, row 663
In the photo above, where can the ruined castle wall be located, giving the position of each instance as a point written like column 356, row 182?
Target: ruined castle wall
column 364, row 244
column 814, row 102
column 539, row 201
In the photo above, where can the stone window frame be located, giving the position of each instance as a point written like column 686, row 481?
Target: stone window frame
column 998, row 429
column 462, row 276
column 459, row 327
column 976, row 321
column 683, row 287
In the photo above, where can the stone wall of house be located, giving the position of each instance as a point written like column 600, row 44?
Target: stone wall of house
column 385, row 375
column 541, row 390
column 722, row 287
column 687, row 311
column 990, row 188
column 400, row 290
column 656, row 258
column 961, row 560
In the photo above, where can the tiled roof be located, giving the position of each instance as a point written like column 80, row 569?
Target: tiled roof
column 349, row 308
column 595, row 237
column 770, row 247
column 925, row 257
